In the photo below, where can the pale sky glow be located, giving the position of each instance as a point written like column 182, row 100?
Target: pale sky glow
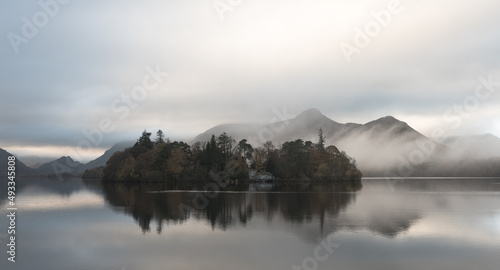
column 263, row 55
column 55, row 152
column 55, row 202
column 442, row 224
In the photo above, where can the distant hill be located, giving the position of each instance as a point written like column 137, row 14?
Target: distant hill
column 60, row 166
column 279, row 132
column 378, row 145
column 69, row 166
column 101, row 161
column 21, row 168
column 382, row 147
column 239, row 131
column 475, row 146
column 35, row 161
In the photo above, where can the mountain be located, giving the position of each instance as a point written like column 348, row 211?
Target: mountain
column 475, row 146
column 101, row 161
column 63, row 165
column 382, row 147
column 279, row 132
column 21, row 168
column 35, row 161
column 386, row 143
column 235, row 130
column 378, row 146
column 66, row 165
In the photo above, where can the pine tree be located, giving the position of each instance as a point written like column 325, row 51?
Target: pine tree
column 143, row 144
column 321, row 141
column 160, row 138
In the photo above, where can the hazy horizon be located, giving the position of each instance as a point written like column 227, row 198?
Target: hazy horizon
column 35, row 158
column 119, row 67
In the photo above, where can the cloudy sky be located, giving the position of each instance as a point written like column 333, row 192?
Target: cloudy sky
column 72, row 68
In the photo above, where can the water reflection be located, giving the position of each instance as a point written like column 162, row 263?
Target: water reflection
column 234, row 206
column 384, row 209
column 49, row 194
column 412, row 224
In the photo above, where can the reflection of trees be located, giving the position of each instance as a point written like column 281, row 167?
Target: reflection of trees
column 295, row 203
column 312, row 200
column 135, row 200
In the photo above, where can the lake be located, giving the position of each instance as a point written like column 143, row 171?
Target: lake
column 428, row 223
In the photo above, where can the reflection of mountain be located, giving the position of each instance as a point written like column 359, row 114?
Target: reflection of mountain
column 63, row 188
column 387, row 222
column 392, row 223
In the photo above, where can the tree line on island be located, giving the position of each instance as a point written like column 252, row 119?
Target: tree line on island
column 161, row 160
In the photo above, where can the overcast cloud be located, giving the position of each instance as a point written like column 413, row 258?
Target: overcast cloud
column 264, row 54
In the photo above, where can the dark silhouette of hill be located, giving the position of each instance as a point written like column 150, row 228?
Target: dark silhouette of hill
column 21, row 168
column 59, row 166
column 68, row 166
column 101, row 161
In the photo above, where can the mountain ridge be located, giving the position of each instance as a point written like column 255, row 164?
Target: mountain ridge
column 21, row 168
column 477, row 146
column 62, row 165
column 379, row 145
column 66, row 164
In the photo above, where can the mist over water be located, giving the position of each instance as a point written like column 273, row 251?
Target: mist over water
column 385, row 147
column 450, row 223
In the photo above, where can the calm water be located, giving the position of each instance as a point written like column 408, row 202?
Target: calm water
column 411, row 224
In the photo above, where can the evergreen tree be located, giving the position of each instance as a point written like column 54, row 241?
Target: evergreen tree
column 143, row 144
column 145, row 140
column 225, row 145
column 269, row 146
column 160, row 138
column 321, row 141
column 245, row 149
column 213, row 155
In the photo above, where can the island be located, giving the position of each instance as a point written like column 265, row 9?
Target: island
column 161, row 160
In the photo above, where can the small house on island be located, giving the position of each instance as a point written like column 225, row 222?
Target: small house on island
column 260, row 176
